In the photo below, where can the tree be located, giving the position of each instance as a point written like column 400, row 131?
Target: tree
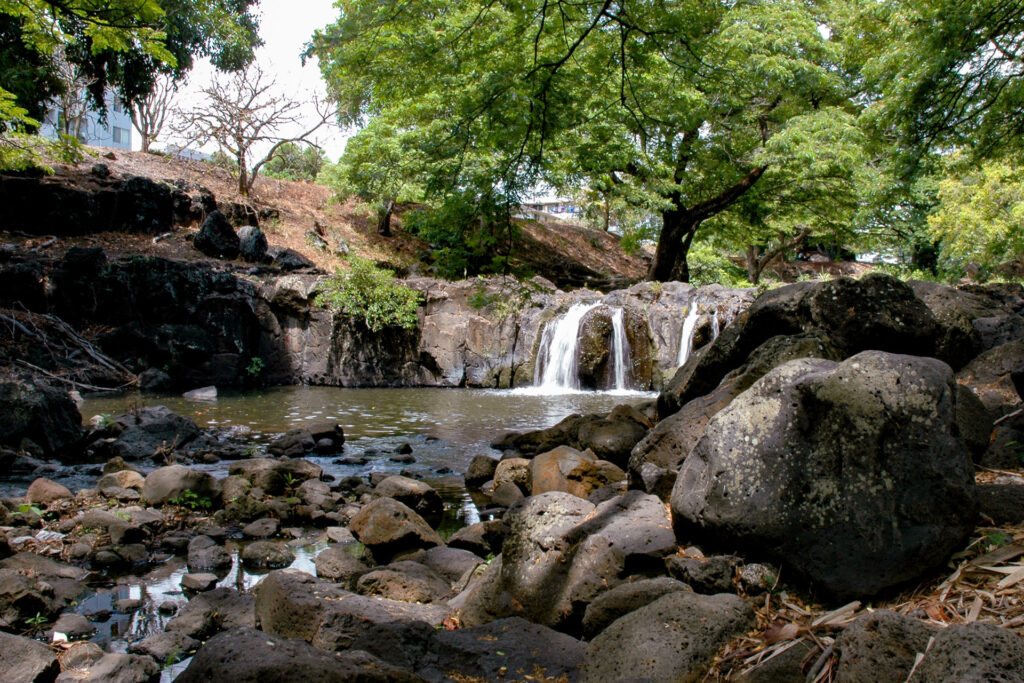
column 943, row 73
column 48, row 28
column 980, row 216
column 243, row 113
column 379, row 167
column 684, row 106
column 149, row 114
column 296, row 162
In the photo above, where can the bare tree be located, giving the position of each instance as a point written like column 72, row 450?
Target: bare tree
column 241, row 112
column 73, row 100
column 149, row 114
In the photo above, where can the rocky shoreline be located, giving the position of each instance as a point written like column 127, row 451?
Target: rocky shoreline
column 829, row 490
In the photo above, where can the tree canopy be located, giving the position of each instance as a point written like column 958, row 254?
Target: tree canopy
column 682, row 108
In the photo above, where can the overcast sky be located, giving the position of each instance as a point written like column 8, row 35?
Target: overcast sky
column 285, row 26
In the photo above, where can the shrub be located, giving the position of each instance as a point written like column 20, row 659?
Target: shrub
column 370, row 293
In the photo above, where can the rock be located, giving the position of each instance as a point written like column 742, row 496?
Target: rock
column 974, row 652
column 707, row 575
column 228, row 657
column 204, row 553
column 623, row 599
column 201, row 394
column 148, row 430
column 514, row 470
column 481, row 538
column 74, row 626
column 216, row 237
column 199, row 582
column 116, row 668
column 213, row 611
column 875, row 312
column 757, row 578
column 267, row 554
column 1002, row 503
column 43, row 414
column 25, row 659
column 414, row 494
column 125, row 479
column 880, row 646
column 388, row 528
column 293, row 443
column 165, row 484
column 261, row 528
column 43, row 491
column 274, row 476
column 852, row 473
column 785, row 667
column 955, row 311
column 449, row 563
column 674, row 638
column 506, row 495
column 80, row 656
column 404, row 581
column 293, row 604
column 288, row 259
column 161, row 646
column 481, row 468
column 316, row 493
column 155, row 380
column 561, row 551
column 990, row 376
column 543, row 440
column 341, row 564
column 611, row 439
column 566, row 469
column 252, row 244
column 128, row 605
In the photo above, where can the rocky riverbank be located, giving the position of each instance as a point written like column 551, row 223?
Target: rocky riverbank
column 831, row 489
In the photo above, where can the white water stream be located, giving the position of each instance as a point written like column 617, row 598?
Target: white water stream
column 689, row 329
column 620, row 351
column 557, row 367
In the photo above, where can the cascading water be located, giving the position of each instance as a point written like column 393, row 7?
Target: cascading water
column 620, row 351
column 556, row 365
column 689, row 329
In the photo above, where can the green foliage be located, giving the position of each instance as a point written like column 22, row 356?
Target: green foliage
column 26, row 508
column 191, row 500
column 980, row 215
column 370, row 294
column 36, row 623
column 511, row 297
column 670, row 108
column 255, row 366
column 222, row 159
column 710, row 265
column 295, row 162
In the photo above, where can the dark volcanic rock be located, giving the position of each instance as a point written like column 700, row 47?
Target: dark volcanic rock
column 252, row 244
column 625, row 598
column 974, row 652
column 387, row 528
column 852, row 474
column 880, row 646
column 674, row 638
column 212, row 612
column 43, row 414
column 24, row 659
column 216, row 237
column 229, row 657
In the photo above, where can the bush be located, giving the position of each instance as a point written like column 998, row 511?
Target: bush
column 708, row 266
column 370, row 293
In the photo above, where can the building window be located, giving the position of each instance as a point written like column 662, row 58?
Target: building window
column 121, row 135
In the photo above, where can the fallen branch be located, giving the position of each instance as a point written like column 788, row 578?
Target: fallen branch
column 78, row 385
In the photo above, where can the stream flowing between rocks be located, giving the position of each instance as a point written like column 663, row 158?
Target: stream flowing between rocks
column 445, row 428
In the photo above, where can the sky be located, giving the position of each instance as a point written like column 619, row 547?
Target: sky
column 285, row 26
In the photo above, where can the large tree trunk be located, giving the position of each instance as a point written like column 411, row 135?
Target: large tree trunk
column 144, row 141
column 678, row 229
column 384, row 218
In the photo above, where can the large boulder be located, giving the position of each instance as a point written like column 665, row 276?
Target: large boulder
column 180, row 483
column 24, row 659
column 292, row 604
column 229, row 657
column 854, row 474
column 974, row 652
column 405, row 581
column 45, row 415
column 217, row 237
column 875, row 312
column 566, row 469
column 562, row 551
column 143, row 432
column 252, row 244
column 415, row 494
column 212, row 612
column 880, row 646
column 674, row 638
column 388, row 528
column 275, row 476
column 991, row 377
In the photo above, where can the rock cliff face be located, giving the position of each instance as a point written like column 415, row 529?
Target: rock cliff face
column 213, row 323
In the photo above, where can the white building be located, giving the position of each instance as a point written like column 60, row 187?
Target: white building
column 116, row 132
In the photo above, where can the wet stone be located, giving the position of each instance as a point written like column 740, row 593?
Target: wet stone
column 199, row 582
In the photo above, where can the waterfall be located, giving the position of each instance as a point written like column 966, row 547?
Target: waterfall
column 689, row 329
column 715, row 329
column 556, row 362
column 620, row 351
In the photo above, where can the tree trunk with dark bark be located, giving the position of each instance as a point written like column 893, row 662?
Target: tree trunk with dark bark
column 384, row 218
